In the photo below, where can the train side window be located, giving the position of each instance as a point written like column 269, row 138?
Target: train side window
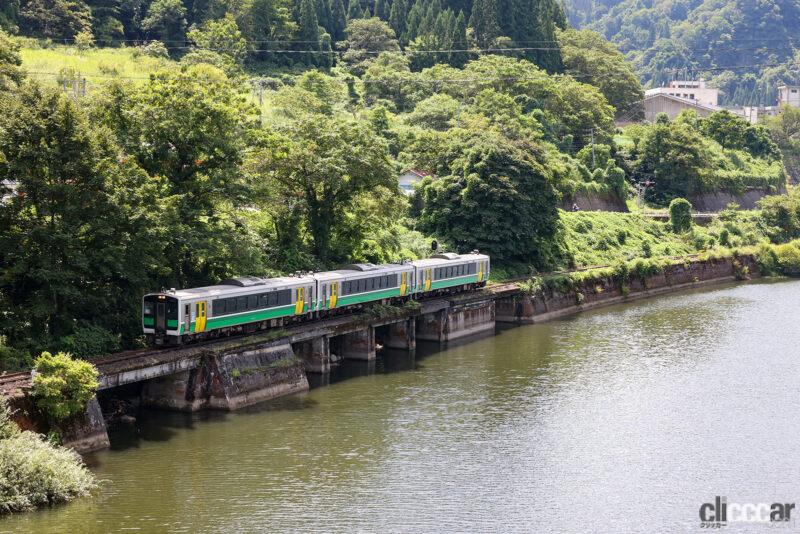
column 263, row 300
column 284, row 297
column 230, row 305
column 218, row 307
column 252, row 302
column 241, row 304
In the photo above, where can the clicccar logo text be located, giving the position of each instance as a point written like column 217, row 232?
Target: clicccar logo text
column 719, row 513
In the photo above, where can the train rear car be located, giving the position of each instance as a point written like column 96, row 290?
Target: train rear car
column 449, row 271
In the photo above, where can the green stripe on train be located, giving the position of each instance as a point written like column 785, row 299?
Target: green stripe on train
column 450, row 282
column 148, row 321
column 348, row 300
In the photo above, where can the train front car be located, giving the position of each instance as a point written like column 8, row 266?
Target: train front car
column 161, row 317
column 448, row 272
column 237, row 305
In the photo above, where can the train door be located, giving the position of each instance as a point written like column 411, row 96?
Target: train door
column 301, row 297
column 428, row 278
column 334, row 294
column 187, row 318
column 403, row 283
column 161, row 317
column 200, row 317
column 480, row 271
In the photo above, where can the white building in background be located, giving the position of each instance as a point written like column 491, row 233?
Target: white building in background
column 789, row 95
column 692, row 90
column 409, row 179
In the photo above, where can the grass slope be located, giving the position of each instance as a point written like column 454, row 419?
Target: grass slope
column 96, row 65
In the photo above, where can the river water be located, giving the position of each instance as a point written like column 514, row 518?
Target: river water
column 625, row 419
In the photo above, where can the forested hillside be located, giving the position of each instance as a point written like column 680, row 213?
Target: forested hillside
column 291, row 32
column 745, row 48
column 249, row 141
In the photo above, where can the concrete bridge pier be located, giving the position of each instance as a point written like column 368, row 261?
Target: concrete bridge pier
column 315, row 354
column 456, row 322
column 229, row 379
column 359, row 345
column 401, row 335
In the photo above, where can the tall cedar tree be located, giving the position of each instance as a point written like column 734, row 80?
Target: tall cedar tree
column 459, row 39
column 397, row 18
column 338, row 20
column 484, row 22
column 354, row 11
column 308, row 35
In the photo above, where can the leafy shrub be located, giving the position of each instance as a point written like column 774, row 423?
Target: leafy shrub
column 788, row 256
column 8, row 428
column 767, row 260
column 532, row 286
column 84, row 40
column 680, row 214
column 152, row 49
column 33, row 473
column 63, row 386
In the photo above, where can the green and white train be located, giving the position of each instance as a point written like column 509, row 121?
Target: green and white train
column 248, row 304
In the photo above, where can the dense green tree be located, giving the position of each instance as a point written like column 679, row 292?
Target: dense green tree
column 10, row 62
column 595, row 61
column 497, row 197
column 166, row 21
column 192, row 128
column 80, row 237
column 366, row 38
column 328, row 165
column 734, row 132
column 60, row 19
column 785, row 131
column 221, row 36
column 389, row 78
column 675, row 158
column 436, row 112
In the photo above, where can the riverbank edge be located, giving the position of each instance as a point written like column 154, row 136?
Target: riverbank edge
column 545, row 303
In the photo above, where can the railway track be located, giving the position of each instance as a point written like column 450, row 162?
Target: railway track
column 9, row 382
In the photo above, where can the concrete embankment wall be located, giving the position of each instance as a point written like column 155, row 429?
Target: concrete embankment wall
column 718, row 200
column 593, row 201
column 551, row 303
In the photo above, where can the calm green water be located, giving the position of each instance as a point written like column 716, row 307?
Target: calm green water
column 626, row 419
